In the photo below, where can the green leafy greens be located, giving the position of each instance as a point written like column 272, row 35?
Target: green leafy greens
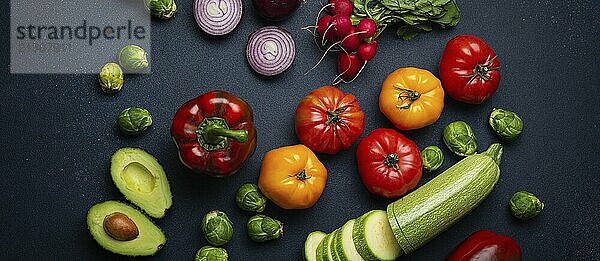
column 409, row 16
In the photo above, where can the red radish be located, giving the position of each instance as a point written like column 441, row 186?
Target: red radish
column 340, row 25
column 351, row 41
column 343, row 7
column 368, row 26
column 367, row 51
column 323, row 24
column 349, row 65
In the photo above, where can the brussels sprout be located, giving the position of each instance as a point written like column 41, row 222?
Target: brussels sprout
column 209, row 253
column 163, row 9
column 507, row 124
column 134, row 120
column 217, row 228
column 250, row 198
column 133, row 58
column 262, row 228
column 432, row 158
column 460, row 139
column 111, row 78
column 524, row 205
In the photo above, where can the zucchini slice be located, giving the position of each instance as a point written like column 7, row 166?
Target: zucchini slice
column 332, row 248
column 310, row 245
column 373, row 237
column 319, row 253
column 327, row 255
column 345, row 245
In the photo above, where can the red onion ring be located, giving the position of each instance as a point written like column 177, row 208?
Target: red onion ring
column 218, row 17
column 270, row 50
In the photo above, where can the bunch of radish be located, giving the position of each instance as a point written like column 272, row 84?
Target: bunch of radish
column 356, row 44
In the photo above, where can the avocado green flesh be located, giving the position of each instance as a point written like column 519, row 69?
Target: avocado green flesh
column 142, row 180
column 310, row 246
column 426, row 212
column 148, row 242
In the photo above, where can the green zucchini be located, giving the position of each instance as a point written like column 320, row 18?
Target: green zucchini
column 321, row 247
column 310, row 245
column 345, row 244
column 426, row 212
column 332, row 250
column 373, row 237
column 319, row 251
column 336, row 251
column 327, row 255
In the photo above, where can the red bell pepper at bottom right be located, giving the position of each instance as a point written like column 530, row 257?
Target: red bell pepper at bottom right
column 485, row 245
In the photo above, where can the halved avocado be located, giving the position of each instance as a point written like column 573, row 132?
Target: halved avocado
column 147, row 241
column 142, row 180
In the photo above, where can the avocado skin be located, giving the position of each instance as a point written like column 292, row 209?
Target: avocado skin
column 150, row 239
column 156, row 202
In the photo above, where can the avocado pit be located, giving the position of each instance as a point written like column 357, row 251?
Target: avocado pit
column 120, row 227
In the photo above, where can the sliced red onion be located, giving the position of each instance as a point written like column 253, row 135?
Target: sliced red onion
column 218, row 17
column 270, row 50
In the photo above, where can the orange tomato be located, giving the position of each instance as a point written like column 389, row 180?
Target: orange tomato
column 411, row 98
column 292, row 177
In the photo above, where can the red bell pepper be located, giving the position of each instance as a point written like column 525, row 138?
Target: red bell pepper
column 389, row 164
column 214, row 133
column 486, row 245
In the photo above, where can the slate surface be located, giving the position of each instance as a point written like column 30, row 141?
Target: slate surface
column 58, row 133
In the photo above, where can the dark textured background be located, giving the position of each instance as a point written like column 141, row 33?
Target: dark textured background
column 58, row 133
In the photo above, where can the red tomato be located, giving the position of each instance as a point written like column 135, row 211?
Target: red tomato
column 389, row 164
column 328, row 120
column 469, row 69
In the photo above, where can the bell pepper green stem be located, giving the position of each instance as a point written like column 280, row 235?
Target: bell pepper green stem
column 494, row 152
column 214, row 134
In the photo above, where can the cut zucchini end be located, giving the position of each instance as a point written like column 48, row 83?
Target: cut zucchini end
column 320, row 248
column 332, row 248
column 397, row 230
column 310, row 245
column 373, row 237
column 326, row 252
column 345, row 244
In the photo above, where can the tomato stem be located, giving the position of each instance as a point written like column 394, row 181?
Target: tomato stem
column 407, row 96
column 333, row 117
column 302, row 175
column 481, row 70
column 391, row 160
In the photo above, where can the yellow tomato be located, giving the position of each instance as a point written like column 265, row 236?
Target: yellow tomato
column 411, row 98
column 292, row 177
